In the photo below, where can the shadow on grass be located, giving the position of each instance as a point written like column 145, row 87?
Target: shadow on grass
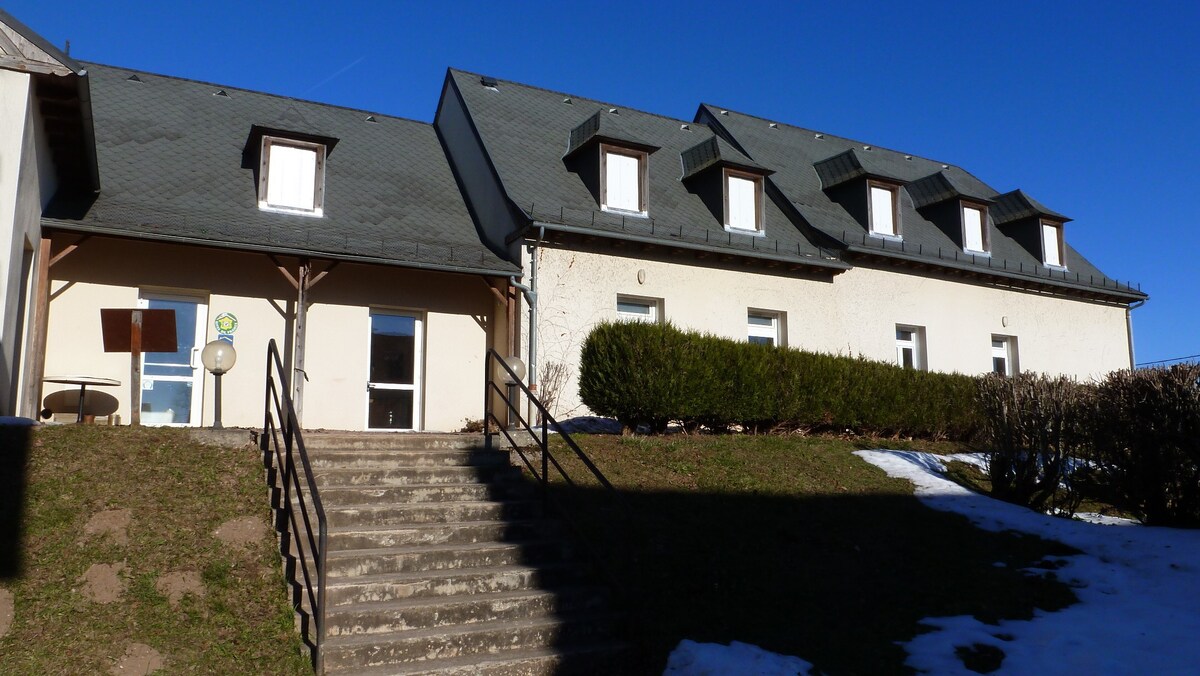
column 836, row 580
column 15, row 445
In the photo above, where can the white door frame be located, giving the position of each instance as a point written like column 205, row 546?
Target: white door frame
column 201, row 301
column 418, row 371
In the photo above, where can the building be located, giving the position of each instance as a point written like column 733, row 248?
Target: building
column 386, row 256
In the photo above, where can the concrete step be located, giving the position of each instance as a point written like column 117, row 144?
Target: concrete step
column 599, row 658
column 421, row 558
column 488, row 639
column 424, row 613
column 387, row 458
column 389, row 440
column 375, row 537
column 423, row 493
column 405, row 476
column 442, row 512
column 441, row 583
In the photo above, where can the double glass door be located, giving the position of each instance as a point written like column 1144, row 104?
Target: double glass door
column 394, row 385
column 173, row 382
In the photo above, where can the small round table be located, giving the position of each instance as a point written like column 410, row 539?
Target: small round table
column 82, row 382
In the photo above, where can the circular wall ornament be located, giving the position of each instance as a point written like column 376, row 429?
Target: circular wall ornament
column 226, row 322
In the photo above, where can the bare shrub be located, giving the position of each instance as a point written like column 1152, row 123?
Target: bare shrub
column 554, row 377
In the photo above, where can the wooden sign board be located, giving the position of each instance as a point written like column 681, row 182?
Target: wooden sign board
column 158, row 330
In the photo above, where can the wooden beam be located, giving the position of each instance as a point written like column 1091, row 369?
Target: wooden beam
column 321, row 275
column 39, row 320
column 500, row 297
column 135, row 369
column 69, row 250
column 298, row 374
column 284, row 271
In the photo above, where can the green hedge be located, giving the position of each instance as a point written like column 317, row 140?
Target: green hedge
column 651, row 374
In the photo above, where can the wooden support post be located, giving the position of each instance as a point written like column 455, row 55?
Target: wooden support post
column 298, row 374
column 135, row 369
column 31, row 399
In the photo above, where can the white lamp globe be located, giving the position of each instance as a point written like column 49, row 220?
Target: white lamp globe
column 218, row 357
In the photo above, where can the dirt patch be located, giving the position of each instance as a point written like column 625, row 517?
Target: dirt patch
column 6, row 611
column 139, row 659
column 113, row 523
column 242, row 532
column 175, row 585
column 103, row 583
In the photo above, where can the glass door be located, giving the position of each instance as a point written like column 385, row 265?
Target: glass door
column 173, row 382
column 394, row 384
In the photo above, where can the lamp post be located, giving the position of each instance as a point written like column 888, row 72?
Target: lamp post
column 218, row 357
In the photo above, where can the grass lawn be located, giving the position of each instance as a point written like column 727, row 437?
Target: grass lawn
column 793, row 544
column 164, row 580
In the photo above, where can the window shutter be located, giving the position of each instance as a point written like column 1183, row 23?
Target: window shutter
column 973, row 229
column 292, row 177
column 882, row 211
column 1050, row 253
column 742, row 203
column 622, row 182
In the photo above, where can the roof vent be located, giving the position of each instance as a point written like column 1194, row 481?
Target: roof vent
column 133, row 78
column 685, row 127
column 818, row 135
column 568, row 101
column 774, row 125
column 487, row 81
column 908, row 157
column 221, row 92
column 371, row 118
column 614, row 111
column 945, row 166
column 724, row 112
column 866, row 147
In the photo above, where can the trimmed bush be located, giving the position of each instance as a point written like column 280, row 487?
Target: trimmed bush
column 1146, row 438
column 1035, row 425
column 650, row 374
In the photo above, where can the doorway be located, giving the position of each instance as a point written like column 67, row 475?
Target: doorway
column 173, row 382
column 394, row 383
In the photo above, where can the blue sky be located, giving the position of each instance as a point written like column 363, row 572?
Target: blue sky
column 1091, row 107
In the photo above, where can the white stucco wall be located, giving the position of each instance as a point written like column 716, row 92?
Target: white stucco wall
column 855, row 314
column 27, row 183
column 456, row 311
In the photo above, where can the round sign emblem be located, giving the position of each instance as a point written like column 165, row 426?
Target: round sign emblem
column 226, row 323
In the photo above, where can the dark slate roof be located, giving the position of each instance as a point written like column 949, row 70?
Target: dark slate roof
column 939, row 187
column 1015, row 205
column 171, row 160
column 524, row 130
column 716, row 151
column 851, row 164
column 605, row 125
column 794, row 153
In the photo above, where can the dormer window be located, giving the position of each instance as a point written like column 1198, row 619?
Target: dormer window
column 1052, row 245
column 975, row 233
column 884, row 209
column 292, row 176
column 743, row 201
column 623, row 180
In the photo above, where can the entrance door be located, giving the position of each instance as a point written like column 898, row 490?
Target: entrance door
column 173, row 382
column 394, row 386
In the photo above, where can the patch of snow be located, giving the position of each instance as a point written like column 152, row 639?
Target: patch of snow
column 714, row 659
column 1138, row 590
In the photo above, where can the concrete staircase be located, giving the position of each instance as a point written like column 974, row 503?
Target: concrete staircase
column 441, row 562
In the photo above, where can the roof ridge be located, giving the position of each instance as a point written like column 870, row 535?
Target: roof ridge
column 235, row 88
column 677, row 120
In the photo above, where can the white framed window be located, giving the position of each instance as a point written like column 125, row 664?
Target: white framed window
column 884, row 209
column 638, row 309
column 1004, row 355
column 743, row 201
column 292, row 176
column 623, row 180
column 974, row 223
column 910, row 347
column 764, row 327
column 1052, row 245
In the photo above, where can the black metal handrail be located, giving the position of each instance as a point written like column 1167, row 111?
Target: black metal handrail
column 279, row 419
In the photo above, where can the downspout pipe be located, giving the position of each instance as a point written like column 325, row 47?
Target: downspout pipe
column 531, row 295
column 1129, row 327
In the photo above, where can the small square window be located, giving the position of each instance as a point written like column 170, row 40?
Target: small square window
column 623, row 180
column 974, row 223
column 1004, row 355
column 910, row 347
column 743, row 201
column 631, row 308
column 1052, row 245
column 292, row 176
column 884, row 208
column 763, row 328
